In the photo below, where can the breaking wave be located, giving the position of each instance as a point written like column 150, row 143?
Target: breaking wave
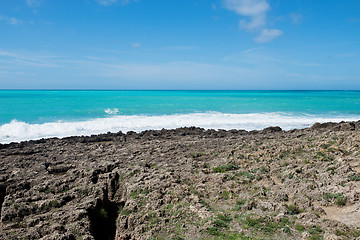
column 111, row 111
column 16, row 131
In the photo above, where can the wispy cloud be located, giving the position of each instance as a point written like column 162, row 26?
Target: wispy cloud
column 182, row 73
column 136, row 45
column 27, row 59
column 178, row 48
column 255, row 13
column 240, row 55
column 252, row 49
column 296, row 18
column 257, row 57
column 33, row 3
column 10, row 20
column 111, row 2
column 268, row 35
column 343, row 55
column 106, row 2
column 255, row 10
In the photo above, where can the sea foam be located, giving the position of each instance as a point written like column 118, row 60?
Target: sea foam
column 16, row 131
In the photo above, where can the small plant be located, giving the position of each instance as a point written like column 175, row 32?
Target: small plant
column 253, row 222
column 315, row 232
column 225, row 195
column 263, row 169
column 199, row 154
column 338, row 198
column 153, row 165
column 103, row 213
column 246, row 174
column 352, row 233
column 153, row 219
column 284, row 164
column 299, row 227
column 225, row 168
column 133, row 173
column 220, row 223
column 134, row 195
column 293, row 209
column 205, row 204
column 332, row 169
column 239, row 204
column 85, row 192
column 340, row 201
column 214, row 231
column 54, row 204
column 355, row 177
column 224, row 218
column 123, row 211
column 46, row 190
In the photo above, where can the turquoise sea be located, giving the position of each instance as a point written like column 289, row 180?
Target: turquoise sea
column 34, row 114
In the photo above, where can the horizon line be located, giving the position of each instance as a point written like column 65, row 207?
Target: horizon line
column 105, row 89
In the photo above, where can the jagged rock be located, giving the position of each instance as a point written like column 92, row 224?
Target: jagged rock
column 186, row 183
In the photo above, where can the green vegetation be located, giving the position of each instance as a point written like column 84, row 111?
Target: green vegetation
column 46, row 190
column 299, row 227
column 249, row 175
column 332, row 169
column 338, row 198
column 348, row 234
column 316, row 233
column 266, row 225
column 220, row 223
column 123, row 211
column 355, row 177
column 225, row 195
column 293, row 209
column 199, row 154
column 205, row 204
column 239, row 204
column 133, row 173
column 225, row 168
column 152, row 218
column 102, row 213
column 54, row 204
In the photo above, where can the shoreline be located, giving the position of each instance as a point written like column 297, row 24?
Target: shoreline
column 184, row 183
column 316, row 125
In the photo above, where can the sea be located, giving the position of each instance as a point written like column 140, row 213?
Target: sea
column 36, row 114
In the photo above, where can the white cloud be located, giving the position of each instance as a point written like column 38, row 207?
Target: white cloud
column 255, row 12
column 14, row 21
column 268, row 35
column 111, row 2
column 136, row 45
column 26, row 59
column 253, row 9
column 33, row 3
column 106, row 2
column 10, row 20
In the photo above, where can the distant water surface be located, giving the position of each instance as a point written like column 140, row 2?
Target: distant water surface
column 34, row 114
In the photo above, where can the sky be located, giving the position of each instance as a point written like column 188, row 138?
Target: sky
column 187, row 44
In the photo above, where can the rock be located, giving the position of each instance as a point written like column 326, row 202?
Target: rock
column 186, row 183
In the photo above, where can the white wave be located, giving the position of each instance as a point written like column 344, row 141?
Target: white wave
column 16, row 131
column 112, row 111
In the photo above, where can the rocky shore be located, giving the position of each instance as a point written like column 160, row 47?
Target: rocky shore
column 187, row 183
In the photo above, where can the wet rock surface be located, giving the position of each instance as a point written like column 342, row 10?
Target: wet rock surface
column 187, row 183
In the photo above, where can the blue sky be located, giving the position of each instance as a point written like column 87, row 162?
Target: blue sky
column 172, row 44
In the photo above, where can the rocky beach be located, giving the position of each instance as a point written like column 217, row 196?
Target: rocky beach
column 187, row 183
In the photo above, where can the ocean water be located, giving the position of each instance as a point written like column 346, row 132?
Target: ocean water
column 35, row 114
